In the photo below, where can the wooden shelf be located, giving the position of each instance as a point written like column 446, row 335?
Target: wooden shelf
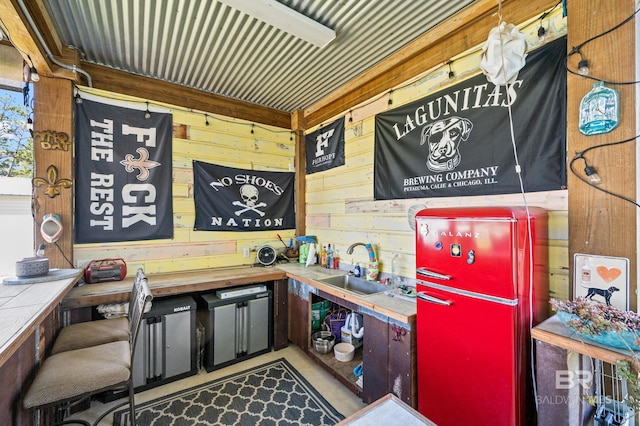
column 343, row 371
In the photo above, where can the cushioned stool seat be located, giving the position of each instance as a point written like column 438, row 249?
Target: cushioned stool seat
column 91, row 333
column 75, row 373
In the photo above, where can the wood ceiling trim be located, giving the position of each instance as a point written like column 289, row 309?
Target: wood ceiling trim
column 25, row 40
column 465, row 30
column 117, row 81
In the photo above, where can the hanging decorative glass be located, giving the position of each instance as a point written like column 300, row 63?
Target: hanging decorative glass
column 599, row 110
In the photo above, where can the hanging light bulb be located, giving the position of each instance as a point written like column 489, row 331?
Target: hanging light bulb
column 583, row 67
column 592, row 175
column 78, row 98
column 147, row 113
column 451, row 73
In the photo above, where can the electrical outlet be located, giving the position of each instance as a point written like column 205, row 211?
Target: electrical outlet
column 246, row 252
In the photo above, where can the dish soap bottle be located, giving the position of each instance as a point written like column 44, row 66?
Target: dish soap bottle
column 357, row 270
column 329, row 264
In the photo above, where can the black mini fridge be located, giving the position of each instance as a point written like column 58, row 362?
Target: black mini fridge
column 166, row 345
column 237, row 326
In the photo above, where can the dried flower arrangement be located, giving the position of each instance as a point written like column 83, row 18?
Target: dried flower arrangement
column 592, row 319
column 595, row 318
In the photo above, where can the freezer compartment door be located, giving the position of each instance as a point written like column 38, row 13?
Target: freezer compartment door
column 468, row 360
column 472, row 254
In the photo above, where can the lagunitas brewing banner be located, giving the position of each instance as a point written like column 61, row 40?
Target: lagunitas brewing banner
column 458, row 142
column 123, row 174
column 229, row 199
column 325, row 147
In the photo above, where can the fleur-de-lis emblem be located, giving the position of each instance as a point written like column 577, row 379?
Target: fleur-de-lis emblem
column 53, row 184
column 142, row 163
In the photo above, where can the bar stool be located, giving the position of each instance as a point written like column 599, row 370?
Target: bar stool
column 74, row 375
column 92, row 333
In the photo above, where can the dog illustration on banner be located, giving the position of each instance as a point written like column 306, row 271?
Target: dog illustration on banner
column 444, row 137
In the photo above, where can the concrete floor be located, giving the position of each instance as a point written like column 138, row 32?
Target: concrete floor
column 341, row 398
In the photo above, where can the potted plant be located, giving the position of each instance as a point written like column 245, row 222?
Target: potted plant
column 608, row 325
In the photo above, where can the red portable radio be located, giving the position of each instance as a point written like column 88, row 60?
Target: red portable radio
column 98, row 271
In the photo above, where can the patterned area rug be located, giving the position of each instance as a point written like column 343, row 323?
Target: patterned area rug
column 271, row 394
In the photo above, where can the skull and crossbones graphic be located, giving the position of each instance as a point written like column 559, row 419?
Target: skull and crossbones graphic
column 249, row 194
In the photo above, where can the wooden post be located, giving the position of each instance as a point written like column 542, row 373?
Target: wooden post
column 298, row 126
column 599, row 223
column 53, row 165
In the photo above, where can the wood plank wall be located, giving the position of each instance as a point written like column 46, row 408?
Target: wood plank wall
column 225, row 141
column 340, row 205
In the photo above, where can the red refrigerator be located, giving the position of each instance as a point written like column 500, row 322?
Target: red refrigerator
column 482, row 274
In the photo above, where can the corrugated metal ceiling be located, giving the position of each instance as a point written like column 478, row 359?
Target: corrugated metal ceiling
column 209, row 46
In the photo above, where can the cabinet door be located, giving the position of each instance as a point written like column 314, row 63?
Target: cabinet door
column 224, row 333
column 178, row 332
column 375, row 358
column 258, row 325
column 401, row 374
column 299, row 315
column 280, row 314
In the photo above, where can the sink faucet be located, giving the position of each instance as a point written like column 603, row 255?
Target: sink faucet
column 354, row 245
column 372, row 270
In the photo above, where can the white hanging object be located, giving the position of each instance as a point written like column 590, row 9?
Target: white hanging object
column 503, row 54
column 51, row 228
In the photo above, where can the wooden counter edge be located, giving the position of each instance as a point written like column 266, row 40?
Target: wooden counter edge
column 21, row 337
column 162, row 285
column 169, row 284
column 578, row 346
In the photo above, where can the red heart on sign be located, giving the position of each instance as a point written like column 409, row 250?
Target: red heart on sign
column 608, row 274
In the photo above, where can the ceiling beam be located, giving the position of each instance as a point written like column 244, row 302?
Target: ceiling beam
column 117, row 81
column 23, row 37
column 468, row 28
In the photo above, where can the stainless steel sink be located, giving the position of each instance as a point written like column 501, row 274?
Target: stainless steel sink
column 355, row 285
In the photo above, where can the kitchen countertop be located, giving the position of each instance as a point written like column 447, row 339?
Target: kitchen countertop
column 24, row 306
column 388, row 410
column 209, row 279
column 393, row 307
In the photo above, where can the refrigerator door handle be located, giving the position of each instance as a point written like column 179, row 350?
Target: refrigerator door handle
column 431, row 274
column 423, row 296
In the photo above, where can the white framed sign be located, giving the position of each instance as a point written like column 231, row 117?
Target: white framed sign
column 603, row 279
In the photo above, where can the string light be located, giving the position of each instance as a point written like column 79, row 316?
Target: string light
column 206, row 120
column 451, row 73
column 147, row 113
column 592, row 175
column 350, row 116
column 390, row 101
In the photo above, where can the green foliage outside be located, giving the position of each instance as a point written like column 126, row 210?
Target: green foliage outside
column 16, row 143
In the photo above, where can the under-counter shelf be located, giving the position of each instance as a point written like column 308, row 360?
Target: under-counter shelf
column 343, row 371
